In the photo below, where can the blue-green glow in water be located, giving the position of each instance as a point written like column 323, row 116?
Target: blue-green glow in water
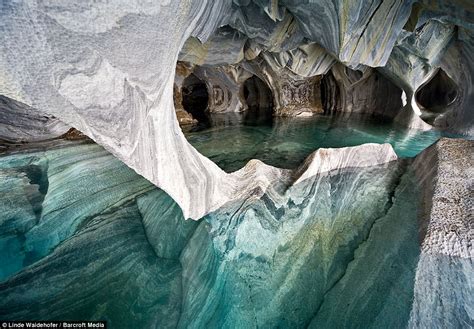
column 231, row 142
column 83, row 237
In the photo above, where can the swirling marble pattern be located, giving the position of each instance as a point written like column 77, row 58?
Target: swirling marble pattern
column 20, row 124
column 335, row 243
column 84, row 236
column 112, row 78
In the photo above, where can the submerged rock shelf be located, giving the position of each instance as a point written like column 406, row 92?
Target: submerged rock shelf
column 344, row 240
column 237, row 163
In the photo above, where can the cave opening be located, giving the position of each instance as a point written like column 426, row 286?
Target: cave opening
column 437, row 94
column 259, row 100
column 330, row 94
column 195, row 98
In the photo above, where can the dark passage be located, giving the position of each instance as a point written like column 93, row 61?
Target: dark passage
column 195, row 98
column 437, row 94
column 259, row 99
column 330, row 95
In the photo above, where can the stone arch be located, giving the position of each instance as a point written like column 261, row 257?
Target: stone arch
column 258, row 97
column 437, row 93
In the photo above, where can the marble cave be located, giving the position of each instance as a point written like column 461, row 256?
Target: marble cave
column 237, row 163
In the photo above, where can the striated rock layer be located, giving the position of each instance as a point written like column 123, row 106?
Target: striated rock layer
column 341, row 247
column 112, row 77
column 445, row 269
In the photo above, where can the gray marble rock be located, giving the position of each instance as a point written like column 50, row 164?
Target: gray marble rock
column 21, row 123
column 108, row 69
column 445, row 268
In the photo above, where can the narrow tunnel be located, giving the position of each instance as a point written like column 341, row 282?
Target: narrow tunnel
column 436, row 95
column 195, row 98
column 330, row 94
column 259, row 99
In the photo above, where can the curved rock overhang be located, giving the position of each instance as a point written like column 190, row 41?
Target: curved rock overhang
column 109, row 69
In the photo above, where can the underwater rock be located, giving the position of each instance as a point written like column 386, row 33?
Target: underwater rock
column 269, row 260
column 339, row 234
column 43, row 212
column 165, row 227
column 376, row 289
column 106, row 271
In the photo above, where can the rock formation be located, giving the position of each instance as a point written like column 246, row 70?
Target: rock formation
column 335, row 242
column 355, row 233
column 113, row 78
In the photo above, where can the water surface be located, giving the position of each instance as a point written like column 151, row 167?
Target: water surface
column 231, row 140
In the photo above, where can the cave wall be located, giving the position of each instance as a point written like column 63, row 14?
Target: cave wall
column 112, row 78
column 224, row 84
column 365, row 91
column 19, row 123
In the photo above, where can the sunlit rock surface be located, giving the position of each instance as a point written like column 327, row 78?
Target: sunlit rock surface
column 112, row 78
column 445, row 269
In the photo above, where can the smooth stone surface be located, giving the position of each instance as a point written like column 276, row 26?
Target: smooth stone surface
column 112, row 78
column 48, row 195
column 295, row 255
column 106, row 271
column 20, row 123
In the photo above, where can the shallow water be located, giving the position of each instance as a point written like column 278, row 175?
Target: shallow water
column 84, row 237
column 231, row 140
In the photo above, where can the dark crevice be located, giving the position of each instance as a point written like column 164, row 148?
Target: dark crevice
column 37, row 174
column 438, row 93
column 259, row 100
column 330, row 94
column 195, row 98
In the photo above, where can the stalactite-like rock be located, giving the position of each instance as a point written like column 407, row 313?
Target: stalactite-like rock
column 357, row 32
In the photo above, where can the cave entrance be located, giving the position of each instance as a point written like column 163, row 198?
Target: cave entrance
column 437, row 94
column 259, row 99
column 330, row 94
column 195, row 98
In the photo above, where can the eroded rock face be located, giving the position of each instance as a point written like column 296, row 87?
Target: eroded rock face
column 340, row 234
column 20, row 123
column 113, row 78
column 445, row 267
column 335, row 242
column 182, row 72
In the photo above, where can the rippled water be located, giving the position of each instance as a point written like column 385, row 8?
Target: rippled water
column 232, row 141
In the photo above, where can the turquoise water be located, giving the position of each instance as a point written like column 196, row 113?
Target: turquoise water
column 82, row 236
column 231, row 141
